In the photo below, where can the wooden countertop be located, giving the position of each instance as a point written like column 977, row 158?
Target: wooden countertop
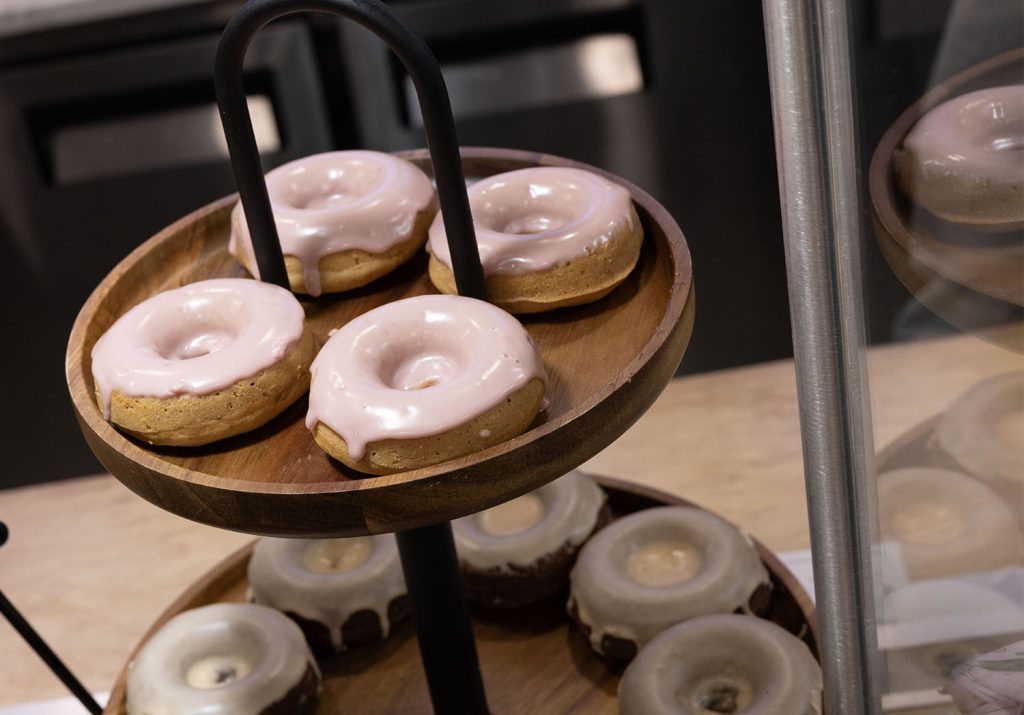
column 91, row 565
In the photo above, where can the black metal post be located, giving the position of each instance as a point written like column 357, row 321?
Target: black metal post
column 428, row 553
column 439, row 612
column 35, row 641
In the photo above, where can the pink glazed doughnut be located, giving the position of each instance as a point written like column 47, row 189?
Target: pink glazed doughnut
column 344, row 218
column 422, row 381
column 549, row 237
column 963, row 160
column 203, row 362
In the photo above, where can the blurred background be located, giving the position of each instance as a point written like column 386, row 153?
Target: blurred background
column 109, row 131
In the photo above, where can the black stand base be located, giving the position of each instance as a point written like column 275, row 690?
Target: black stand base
column 442, row 622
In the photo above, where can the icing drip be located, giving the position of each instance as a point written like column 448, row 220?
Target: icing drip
column 328, row 580
column 338, row 201
column 196, row 339
column 418, row 367
column 534, row 219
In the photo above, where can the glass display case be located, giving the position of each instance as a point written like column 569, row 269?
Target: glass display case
column 899, row 132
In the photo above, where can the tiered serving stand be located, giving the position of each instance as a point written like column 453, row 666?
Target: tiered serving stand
column 607, row 362
column 962, row 274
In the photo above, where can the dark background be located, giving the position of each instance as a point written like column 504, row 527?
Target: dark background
column 697, row 136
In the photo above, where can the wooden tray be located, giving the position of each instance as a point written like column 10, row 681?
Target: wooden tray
column 950, row 268
column 533, row 660
column 607, row 362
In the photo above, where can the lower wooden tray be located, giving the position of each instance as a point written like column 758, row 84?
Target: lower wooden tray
column 533, row 660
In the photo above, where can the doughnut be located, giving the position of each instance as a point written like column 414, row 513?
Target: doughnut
column 658, row 567
column 722, row 664
column 945, row 523
column 962, row 160
column 520, row 552
column 983, row 430
column 421, row 381
column 209, row 360
column 548, row 237
column 222, row 659
column 341, row 592
column 991, row 683
column 344, row 218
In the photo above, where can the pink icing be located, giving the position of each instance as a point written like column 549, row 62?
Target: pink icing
column 418, row 367
column 196, row 339
column 533, row 219
column 338, row 201
column 981, row 133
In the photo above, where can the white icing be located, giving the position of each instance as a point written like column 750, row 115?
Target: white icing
column 608, row 600
column 338, row 201
column 533, row 219
column 418, row 367
column 280, row 576
column 769, row 670
column 267, row 649
column 196, row 339
column 571, row 506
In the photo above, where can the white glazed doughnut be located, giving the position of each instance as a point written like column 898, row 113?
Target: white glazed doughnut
column 658, row 567
column 344, row 218
column 224, row 659
column 520, row 552
column 342, row 592
column 983, row 430
column 722, row 664
column 421, row 381
column 962, row 160
column 946, row 523
column 548, row 237
column 203, row 362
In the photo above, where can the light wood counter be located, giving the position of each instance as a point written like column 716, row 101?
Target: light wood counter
column 91, row 565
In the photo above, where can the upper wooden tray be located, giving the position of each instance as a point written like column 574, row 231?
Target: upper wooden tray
column 950, row 268
column 533, row 660
column 606, row 361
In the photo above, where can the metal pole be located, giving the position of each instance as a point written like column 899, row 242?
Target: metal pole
column 811, row 74
column 45, row 653
column 439, row 613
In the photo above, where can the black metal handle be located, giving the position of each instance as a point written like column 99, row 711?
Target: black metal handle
column 434, row 105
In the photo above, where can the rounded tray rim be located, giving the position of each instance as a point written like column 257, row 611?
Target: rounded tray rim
column 619, row 402
column 897, row 238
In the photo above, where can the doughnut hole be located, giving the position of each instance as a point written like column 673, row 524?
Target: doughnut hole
column 205, row 324
column 217, row 671
column 513, row 517
column 330, row 556
column 325, row 187
column 529, row 209
column 719, row 695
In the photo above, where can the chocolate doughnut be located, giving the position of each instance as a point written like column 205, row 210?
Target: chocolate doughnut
column 722, row 664
column 658, row 567
column 224, row 659
column 342, row 592
column 520, row 552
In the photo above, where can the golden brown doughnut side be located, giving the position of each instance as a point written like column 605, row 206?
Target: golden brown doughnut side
column 505, row 421
column 347, row 270
column 192, row 420
column 580, row 281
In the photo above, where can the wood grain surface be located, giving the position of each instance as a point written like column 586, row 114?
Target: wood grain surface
column 607, row 362
column 533, row 660
column 921, row 248
column 93, row 565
